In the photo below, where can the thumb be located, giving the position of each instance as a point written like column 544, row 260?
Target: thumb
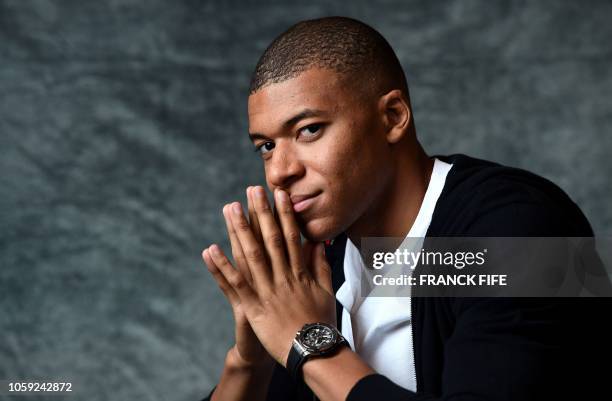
column 321, row 268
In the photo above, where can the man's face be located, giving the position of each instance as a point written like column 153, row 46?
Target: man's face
column 324, row 143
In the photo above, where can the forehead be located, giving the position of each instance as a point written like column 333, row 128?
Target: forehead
column 316, row 89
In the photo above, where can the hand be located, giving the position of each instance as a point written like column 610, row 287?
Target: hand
column 248, row 351
column 290, row 285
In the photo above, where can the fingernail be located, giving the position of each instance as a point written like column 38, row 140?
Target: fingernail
column 259, row 192
column 204, row 253
column 237, row 209
column 215, row 250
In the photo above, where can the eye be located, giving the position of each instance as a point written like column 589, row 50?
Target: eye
column 264, row 147
column 311, row 130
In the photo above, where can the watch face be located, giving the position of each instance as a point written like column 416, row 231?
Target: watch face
column 318, row 338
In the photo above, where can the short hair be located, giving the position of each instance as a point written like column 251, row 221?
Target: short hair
column 344, row 45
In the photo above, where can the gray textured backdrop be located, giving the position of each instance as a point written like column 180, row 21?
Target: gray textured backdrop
column 123, row 131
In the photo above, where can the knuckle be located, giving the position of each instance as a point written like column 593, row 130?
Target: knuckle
column 242, row 224
column 237, row 281
column 224, row 263
column 301, row 275
column 286, row 210
column 264, row 206
column 254, row 254
column 274, row 239
column 224, row 288
column 284, row 285
column 293, row 236
column 284, row 282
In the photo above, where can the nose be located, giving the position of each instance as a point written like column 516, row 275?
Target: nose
column 284, row 167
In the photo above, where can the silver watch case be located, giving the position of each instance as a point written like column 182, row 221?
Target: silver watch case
column 317, row 339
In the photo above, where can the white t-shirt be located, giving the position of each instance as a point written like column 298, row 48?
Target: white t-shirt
column 378, row 328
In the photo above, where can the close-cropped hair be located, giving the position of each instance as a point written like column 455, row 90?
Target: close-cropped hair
column 343, row 45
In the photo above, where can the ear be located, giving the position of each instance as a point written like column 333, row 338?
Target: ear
column 396, row 114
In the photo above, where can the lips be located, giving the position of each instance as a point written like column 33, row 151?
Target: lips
column 303, row 202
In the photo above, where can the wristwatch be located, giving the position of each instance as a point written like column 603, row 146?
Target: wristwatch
column 313, row 340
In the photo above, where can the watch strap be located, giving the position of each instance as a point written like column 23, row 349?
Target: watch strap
column 295, row 360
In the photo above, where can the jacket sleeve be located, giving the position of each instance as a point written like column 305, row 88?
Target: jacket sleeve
column 501, row 349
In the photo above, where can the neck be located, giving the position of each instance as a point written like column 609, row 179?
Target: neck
column 394, row 211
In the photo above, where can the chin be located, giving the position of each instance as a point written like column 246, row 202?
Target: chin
column 320, row 229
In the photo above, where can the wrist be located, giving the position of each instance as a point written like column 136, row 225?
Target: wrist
column 236, row 364
column 242, row 380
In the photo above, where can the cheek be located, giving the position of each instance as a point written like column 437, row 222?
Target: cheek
column 348, row 171
column 352, row 168
column 346, row 153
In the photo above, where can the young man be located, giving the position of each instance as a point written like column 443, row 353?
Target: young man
column 330, row 113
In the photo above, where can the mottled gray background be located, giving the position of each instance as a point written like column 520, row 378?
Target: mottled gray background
column 123, row 131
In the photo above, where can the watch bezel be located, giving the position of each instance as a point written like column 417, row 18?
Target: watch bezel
column 331, row 345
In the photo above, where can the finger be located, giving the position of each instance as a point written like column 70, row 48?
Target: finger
column 291, row 232
column 237, row 251
column 307, row 249
column 271, row 234
column 233, row 276
column 253, row 215
column 225, row 287
column 253, row 252
column 321, row 268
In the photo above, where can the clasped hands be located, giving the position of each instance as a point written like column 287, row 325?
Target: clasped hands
column 276, row 284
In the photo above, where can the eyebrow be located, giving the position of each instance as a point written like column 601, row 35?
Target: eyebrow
column 306, row 113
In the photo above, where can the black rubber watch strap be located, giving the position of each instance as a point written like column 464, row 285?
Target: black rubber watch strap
column 294, row 364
